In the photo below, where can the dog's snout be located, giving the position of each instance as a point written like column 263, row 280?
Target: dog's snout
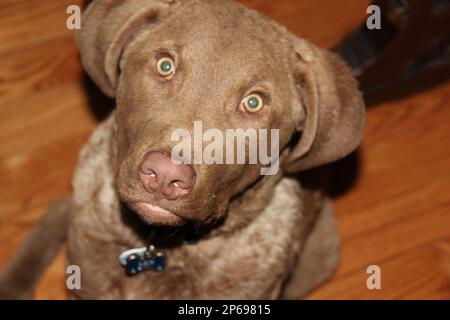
column 160, row 176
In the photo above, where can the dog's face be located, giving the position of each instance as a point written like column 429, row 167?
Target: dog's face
column 218, row 60
column 170, row 63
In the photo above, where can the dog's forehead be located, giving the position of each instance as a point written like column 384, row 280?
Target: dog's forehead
column 232, row 34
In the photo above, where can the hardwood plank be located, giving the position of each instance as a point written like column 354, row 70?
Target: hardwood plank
column 325, row 22
column 24, row 23
column 34, row 120
column 54, row 62
column 40, row 144
column 417, row 274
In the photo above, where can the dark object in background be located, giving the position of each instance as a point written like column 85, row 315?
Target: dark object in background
column 410, row 52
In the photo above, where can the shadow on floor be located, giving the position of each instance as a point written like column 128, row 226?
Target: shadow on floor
column 100, row 105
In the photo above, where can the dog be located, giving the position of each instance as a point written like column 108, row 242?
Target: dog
column 221, row 231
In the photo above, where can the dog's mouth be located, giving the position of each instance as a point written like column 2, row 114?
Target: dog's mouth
column 155, row 215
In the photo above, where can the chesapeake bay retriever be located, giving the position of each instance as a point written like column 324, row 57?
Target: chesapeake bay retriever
column 227, row 231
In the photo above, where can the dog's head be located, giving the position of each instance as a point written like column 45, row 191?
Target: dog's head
column 169, row 63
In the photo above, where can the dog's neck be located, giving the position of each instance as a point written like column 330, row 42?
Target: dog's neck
column 246, row 206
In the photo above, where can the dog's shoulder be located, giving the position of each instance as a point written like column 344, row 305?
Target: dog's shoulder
column 95, row 161
column 95, row 202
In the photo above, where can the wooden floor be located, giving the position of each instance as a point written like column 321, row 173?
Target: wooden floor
column 395, row 215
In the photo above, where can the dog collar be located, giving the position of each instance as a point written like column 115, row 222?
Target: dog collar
column 142, row 259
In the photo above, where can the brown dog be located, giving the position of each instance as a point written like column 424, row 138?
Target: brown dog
column 258, row 237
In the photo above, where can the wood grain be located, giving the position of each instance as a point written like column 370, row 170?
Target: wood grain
column 395, row 215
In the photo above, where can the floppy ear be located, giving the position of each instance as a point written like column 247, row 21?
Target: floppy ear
column 107, row 27
column 334, row 108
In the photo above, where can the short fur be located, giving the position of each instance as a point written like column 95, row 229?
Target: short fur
column 260, row 237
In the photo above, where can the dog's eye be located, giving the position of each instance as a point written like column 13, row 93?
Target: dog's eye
column 165, row 67
column 253, row 103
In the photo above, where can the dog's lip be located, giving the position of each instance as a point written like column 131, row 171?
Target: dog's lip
column 155, row 212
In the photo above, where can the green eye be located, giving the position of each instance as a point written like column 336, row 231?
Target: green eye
column 253, row 103
column 165, row 67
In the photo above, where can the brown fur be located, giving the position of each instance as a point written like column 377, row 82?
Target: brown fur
column 266, row 228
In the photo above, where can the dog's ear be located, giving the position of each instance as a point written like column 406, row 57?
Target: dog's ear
column 332, row 107
column 107, row 26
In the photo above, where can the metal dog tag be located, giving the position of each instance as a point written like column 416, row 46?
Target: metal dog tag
column 142, row 259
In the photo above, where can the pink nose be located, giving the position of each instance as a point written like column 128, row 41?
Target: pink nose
column 159, row 175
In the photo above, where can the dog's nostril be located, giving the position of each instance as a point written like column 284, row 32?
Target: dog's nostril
column 181, row 185
column 176, row 184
